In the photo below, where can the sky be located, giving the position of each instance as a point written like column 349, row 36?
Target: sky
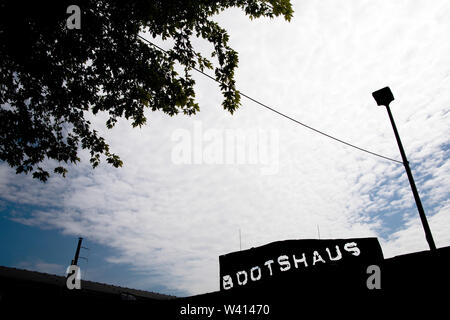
column 189, row 185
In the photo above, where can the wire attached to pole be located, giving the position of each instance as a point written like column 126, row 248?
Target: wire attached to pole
column 282, row 114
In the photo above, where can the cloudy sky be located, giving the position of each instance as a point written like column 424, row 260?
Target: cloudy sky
column 189, row 184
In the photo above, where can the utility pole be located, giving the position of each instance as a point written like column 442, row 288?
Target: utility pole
column 77, row 253
column 385, row 97
column 74, row 269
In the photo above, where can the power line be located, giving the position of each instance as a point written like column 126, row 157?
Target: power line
column 284, row 115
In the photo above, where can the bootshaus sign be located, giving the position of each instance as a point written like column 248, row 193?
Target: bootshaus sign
column 311, row 262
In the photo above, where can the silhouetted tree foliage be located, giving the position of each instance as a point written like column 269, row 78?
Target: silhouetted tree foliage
column 51, row 76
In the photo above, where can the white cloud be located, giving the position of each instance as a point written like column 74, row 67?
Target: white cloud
column 175, row 220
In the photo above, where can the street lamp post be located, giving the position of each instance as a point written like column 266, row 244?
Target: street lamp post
column 385, row 97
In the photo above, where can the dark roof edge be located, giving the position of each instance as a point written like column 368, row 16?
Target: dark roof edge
column 85, row 284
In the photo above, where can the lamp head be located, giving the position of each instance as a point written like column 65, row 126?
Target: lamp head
column 383, row 97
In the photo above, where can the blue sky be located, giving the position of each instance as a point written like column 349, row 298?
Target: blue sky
column 161, row 222
column 49, row 251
